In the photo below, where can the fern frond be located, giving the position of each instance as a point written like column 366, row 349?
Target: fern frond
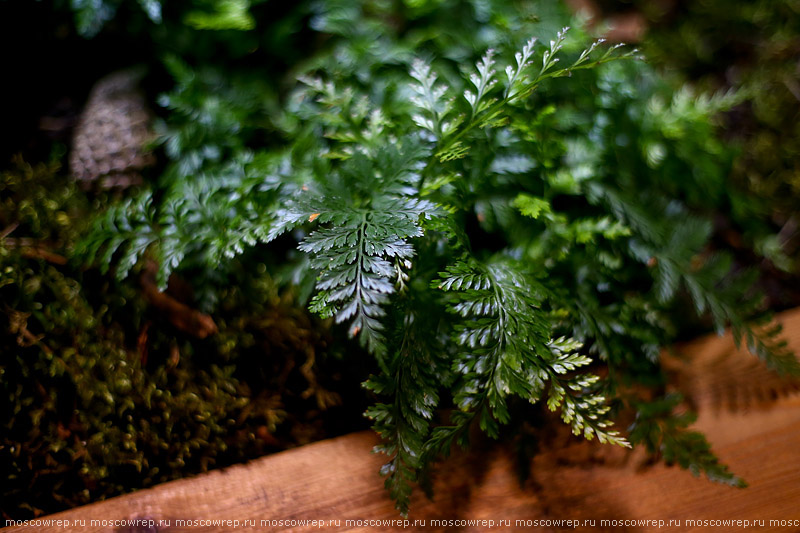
column 418, row 369
column 587, row 411
column 508, row 350
column 125, row 231
column 666, row 433
column 360, row 254
column 486, row 111
column 675, row 246
column 483, row 82
column 549, row 58
column 514, row 73
column 429, row 98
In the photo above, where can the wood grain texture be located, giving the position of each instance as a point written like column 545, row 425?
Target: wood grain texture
column 337, row 479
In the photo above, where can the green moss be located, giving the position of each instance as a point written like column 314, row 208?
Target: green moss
column 100, row 397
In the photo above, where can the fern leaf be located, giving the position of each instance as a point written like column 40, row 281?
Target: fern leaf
column 360, row 255
column 505, row 335
column 665, row 433
column 418, row 368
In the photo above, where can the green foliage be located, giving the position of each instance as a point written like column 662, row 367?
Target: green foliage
column 751, row 47
column 224, row 15
column 485, row 236
column 509, row 349
column 417, row 369
column 92, row 15
column 213, row 194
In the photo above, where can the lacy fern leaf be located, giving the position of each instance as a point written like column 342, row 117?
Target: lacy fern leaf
column 506, row 338
column 362, row 258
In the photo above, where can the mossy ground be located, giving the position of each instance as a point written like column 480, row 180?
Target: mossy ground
column 102, row 395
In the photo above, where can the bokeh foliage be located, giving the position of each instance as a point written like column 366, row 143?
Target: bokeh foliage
column 750, row 47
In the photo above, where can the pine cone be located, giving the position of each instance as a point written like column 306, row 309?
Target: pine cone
column 108, row 146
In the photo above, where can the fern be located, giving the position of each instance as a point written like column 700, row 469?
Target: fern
column 675, row 247
column 128, row 228
column 362, row 257
column 666, row 433
column 208, row 220
column 417, row 370
column 488, row 111
column 361, row 249
column 509, row 350
column 467, row 217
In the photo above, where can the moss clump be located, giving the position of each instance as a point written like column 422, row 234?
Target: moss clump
column 100, row 397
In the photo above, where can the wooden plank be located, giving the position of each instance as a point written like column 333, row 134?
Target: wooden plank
column 337, row 480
